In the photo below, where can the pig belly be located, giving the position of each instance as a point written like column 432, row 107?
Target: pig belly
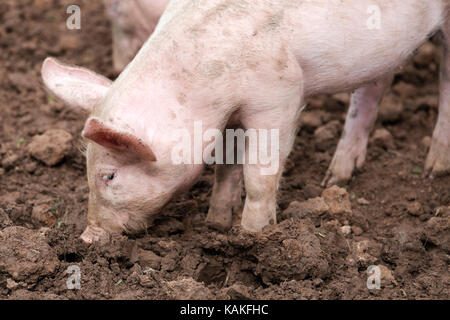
column 339, row 49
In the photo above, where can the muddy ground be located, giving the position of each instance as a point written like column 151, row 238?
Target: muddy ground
column 389, row 215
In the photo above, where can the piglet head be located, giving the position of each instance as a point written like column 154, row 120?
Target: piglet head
column 127, row 185
column 119, row 166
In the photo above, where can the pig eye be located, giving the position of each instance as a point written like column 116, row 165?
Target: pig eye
column 109, row 177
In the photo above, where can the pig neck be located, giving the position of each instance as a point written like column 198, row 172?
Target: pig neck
column 156, row 108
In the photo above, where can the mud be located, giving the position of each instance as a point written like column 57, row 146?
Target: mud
column 388, row 215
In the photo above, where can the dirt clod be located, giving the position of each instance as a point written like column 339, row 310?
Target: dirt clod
column 238, row 292
column 338, row 200
column 25, row 255
column 364, row 253
column 363, row 202
column 290, row 250
column 311, row 120
column 326, row 134
column 312, row 207
column 5, row 221
column 11, row 284
column 391, row 109
column 387, row 276
column 9, row 161
column 148, row 259
column 383, row 139
column 51, row 147
column 415, row 208
column 346, row 230
column 187, row 289
column 42, row 215
column 405, row 90
column 437, row 230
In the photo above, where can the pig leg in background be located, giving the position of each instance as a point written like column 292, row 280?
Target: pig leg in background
column 351, row 150
column 438, row 160
column 133, row 21
column 260, row 203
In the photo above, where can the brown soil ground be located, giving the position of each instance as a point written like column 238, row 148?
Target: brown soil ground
column 396, row 218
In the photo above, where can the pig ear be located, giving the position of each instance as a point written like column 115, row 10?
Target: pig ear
column 78, row 87
column 96, row 131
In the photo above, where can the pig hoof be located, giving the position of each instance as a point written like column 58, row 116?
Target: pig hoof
column 332, row 179
column 94, row 234
column 438, row 160
column 338, row 175
column 219, row 219
column 344, row 163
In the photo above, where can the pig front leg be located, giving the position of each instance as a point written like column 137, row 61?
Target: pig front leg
column 438, row 159
column 262, row 180
column 352, row 148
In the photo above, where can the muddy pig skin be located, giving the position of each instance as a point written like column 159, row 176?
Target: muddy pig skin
column 133, row 21
column 246, row 63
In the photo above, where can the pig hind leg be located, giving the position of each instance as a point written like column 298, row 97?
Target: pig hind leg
column 438, row 159
column 226, row 197
column 352, row 148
